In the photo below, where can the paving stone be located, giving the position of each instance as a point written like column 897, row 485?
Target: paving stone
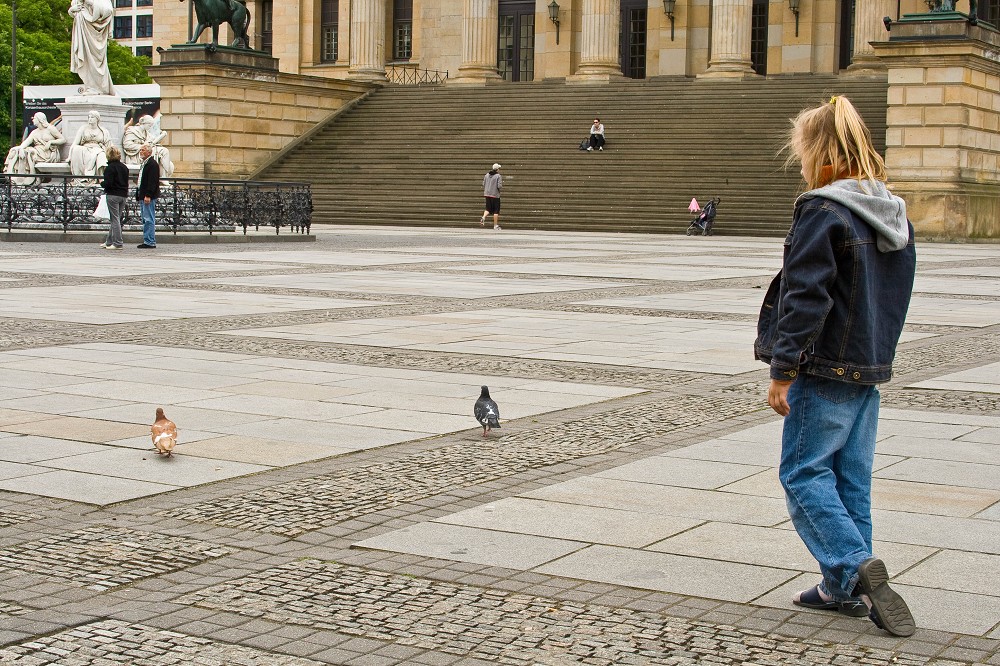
column 300, row 506
column 113, row 642
column 489, row 624
column 59, row 366
column 102, row 557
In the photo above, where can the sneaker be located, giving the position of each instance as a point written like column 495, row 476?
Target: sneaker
column 144, row 246
column 590, row 147
column 103, row 246
column 113, row 247
column 496, row 228
column 601, row 148
column 482, row 221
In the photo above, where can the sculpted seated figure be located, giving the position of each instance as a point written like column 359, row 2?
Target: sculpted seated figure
column 40, row 146
column 87, row 156
column 145, row 133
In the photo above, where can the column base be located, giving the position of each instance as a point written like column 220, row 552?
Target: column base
column 867, row 64
column 729, row 71
column 596, row 75
column 367, row 75
column 476, row 75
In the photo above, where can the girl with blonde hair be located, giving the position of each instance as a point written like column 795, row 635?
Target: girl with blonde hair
column 828, row 328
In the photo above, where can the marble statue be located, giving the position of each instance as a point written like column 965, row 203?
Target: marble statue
column 40, row 146
column 145, row 133
column 92, row 22
column 87, row 156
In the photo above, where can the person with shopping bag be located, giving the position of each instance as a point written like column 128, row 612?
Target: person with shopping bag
column 115, row 186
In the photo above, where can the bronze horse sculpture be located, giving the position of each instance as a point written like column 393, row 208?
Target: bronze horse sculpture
column 213, row 13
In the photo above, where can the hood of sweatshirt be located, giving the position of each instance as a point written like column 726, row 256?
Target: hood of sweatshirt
column 871, row 201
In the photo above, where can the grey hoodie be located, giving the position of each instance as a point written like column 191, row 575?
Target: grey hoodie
column 492, row 184
column 872, row 202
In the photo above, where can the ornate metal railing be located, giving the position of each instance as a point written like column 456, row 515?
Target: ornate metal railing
column 184, row 204
column 401, row 75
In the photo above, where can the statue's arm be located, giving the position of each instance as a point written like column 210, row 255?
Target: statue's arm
column 55, row 137
column 31, row 139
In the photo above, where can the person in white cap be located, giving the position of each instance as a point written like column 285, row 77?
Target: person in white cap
column 492, row 186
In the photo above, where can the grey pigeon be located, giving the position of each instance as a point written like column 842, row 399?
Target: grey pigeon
column 487, row 412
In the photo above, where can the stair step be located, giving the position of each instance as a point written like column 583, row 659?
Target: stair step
column 416, row 155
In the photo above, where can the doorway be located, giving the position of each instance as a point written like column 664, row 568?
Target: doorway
column 516, row 43
column 758, row 36
column 847, row 9
column 632, row 39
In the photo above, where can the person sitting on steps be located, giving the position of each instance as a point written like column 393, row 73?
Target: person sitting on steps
column 596, row 135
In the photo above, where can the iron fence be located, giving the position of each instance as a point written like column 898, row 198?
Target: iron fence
column 402, row 75
column 184, row 204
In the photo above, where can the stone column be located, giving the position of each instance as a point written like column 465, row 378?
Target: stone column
column 868, row 28
column 599, row 55
column 367, row 41
column 479, row 42
column 730, row 39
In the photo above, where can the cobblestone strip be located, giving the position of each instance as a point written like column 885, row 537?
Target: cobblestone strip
column 101, row 557
column 111, row 642
column 11, row 518
column 982, row 348
column 9, row 609
column 950, row 400
column 510, row 628
column 296, row 507
column 750, row 320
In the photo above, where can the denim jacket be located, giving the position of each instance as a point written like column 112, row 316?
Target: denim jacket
column 837, row 307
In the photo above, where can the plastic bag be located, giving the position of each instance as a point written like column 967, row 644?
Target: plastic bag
column 102, row 212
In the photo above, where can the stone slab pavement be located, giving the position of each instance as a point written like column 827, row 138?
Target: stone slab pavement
column 332, row 501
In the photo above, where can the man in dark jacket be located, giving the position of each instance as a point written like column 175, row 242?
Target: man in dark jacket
column 115, row 186
column 146, row 194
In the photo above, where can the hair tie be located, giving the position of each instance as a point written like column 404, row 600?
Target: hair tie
column 833, row 100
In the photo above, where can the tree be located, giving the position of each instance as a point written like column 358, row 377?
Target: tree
column 43, row 43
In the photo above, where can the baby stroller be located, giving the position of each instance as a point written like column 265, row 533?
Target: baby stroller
column 705, row 219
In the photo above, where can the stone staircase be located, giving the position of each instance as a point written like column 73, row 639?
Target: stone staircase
column 417, row 155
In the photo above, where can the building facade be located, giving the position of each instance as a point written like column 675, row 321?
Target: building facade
column 133, row 26
column 524, row 40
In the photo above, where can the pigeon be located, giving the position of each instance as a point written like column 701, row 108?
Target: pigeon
column 487, row 412
column 164, row 433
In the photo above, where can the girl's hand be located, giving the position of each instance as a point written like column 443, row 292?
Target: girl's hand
column 777, row 396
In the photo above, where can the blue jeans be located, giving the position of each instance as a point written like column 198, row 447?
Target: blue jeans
column 827, row 452
column 148, row 213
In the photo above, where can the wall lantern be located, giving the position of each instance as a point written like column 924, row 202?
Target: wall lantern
column 794, row 6
column 554, row 16
column 668, row 9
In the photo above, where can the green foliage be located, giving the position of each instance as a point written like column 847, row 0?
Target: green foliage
column 43, row 42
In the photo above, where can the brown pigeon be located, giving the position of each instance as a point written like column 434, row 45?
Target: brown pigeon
column 164, row 433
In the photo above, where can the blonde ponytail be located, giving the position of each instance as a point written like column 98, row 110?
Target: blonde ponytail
column 831, row 141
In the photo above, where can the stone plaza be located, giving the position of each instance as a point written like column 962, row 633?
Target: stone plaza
column 332, row 500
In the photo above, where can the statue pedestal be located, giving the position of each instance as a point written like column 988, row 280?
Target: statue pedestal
column 943, row 123
column 223, row 56
column 228, row 111
column 74, row 116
